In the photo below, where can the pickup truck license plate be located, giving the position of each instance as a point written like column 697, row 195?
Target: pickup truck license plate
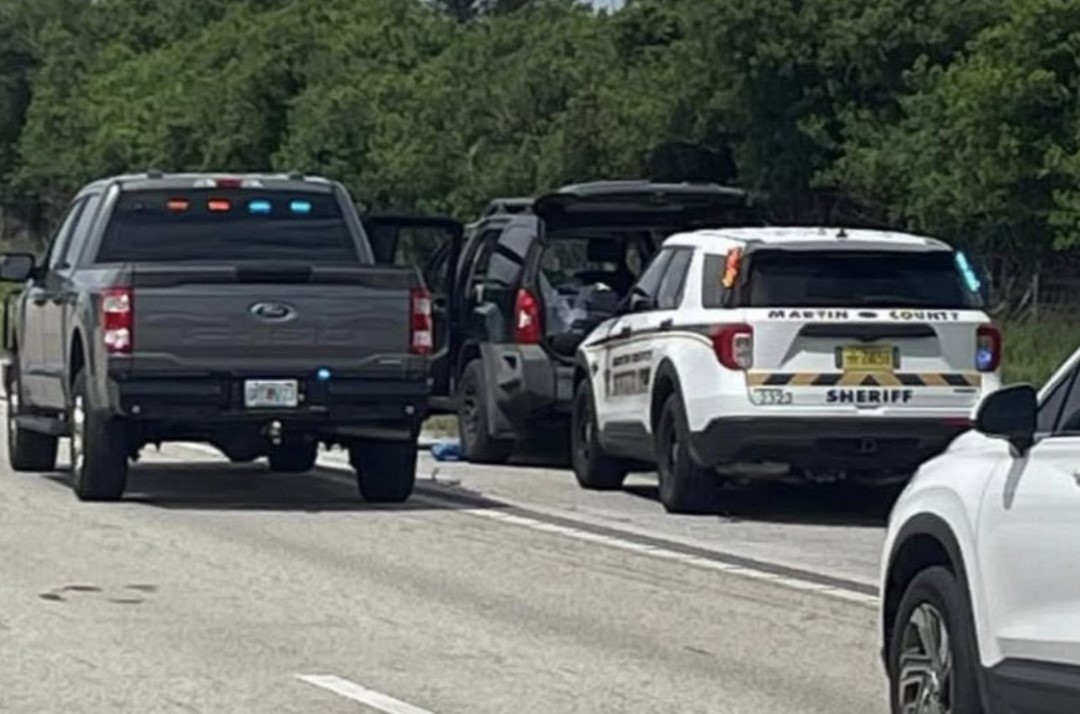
column 271, row 393
column 868, row 358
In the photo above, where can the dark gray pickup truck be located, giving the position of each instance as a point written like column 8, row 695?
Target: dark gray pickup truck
column 246, row 312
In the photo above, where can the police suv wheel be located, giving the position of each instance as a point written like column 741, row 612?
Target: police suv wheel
column 593, row 468
column 685, row 487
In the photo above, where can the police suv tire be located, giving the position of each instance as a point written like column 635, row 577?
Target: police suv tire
column 594, row 469
column 293, row 457
column 685, row 487
column 101, row 473
column 939, row 588
column 477, row 445
column 27, row 450
column 385, row 470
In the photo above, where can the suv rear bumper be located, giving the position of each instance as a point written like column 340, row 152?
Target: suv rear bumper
column 805, row 442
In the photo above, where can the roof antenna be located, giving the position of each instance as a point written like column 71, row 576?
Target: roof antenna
column 154, row 173
column 842, row 233
column 296, row 175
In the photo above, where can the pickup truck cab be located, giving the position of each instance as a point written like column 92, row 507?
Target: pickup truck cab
column 532, row 279
column 242, row 311
column 805, row 354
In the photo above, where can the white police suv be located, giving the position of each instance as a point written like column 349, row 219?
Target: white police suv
column 981, row 582
column 783, row 352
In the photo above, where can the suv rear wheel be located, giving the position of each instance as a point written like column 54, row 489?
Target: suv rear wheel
column 932, row 656
column 476, row 443
column 99, row 449
column 385, row 470
column 593, row 468
column 685, row 487
column 27, row 450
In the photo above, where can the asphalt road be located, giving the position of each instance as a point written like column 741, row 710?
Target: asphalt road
column 220, row 588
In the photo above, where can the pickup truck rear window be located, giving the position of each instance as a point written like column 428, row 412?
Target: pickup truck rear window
column 856, row 279
column 233, row 225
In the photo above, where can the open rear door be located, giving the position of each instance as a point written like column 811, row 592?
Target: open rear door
column 432, row 244
column 679, row 206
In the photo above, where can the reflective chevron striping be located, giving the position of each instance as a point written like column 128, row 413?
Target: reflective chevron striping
column 864, row 379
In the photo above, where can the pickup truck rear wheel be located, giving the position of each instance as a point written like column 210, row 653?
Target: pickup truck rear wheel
column 685, row 487
column 385, row 470
column 99, row 449
column 27, row 450
column 293, row 457
column 477, row 445
column 593, row 468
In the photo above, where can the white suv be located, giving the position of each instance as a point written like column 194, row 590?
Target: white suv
column 783, row 352
column 981, row 582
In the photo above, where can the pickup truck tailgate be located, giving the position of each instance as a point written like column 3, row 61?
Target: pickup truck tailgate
column 270, row 320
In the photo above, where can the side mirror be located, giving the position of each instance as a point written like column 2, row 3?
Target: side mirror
column 1010, row 414
column 16, row 267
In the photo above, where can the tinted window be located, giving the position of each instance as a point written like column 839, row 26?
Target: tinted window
column 65, row 255
column 1050, row 409
column 856, row 279
column 508, row 257
column 671, row 286
column 1064, row 412
column 59, row 241
column 649, row 285
column 247, row 225
column 713, row 293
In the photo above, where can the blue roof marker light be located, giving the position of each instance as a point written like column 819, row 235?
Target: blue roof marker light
column 323, row 375
column 300, row 207
column 259, row 207
column 970, row 278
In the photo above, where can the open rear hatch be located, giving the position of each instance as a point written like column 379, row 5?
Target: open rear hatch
column 617, row 222
column 643, row 204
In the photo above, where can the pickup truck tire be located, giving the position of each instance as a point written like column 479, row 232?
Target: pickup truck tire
column 685, row 487
column 27, row 450
column 594, row 469
column 293, row 457
column 385, row 470
column 99, row 449
column 477, row 445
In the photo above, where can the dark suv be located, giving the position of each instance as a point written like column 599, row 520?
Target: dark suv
column 526, row 283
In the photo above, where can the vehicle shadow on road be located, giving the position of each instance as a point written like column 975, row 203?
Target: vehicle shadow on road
column 214, row 486
column 842, row 505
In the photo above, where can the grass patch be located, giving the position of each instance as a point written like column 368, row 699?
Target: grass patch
column 1035, row 348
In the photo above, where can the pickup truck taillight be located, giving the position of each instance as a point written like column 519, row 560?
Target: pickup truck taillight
column 528, row 329
column 422, row 338
column 117, row 319
column 987, row 348
column 734, row 346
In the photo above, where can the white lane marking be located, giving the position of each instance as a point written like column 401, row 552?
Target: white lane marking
column 357, row 693
column 655, row 551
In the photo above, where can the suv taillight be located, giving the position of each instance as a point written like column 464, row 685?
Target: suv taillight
column 422, row 338
column 987, row 348
column 734, row 346
column 528, row 328
column 118, row 320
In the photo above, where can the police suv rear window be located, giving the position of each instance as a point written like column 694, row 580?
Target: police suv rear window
column 227, row 225
column 855, row 279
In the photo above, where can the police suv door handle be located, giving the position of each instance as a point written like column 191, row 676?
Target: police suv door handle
column 667, row 324
column 624, row 331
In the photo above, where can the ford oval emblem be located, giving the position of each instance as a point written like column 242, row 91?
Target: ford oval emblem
column 273, row 311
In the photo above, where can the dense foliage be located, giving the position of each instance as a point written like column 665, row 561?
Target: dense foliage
column 960, row 119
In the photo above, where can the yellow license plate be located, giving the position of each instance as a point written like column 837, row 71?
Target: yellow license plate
column 868, row 358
